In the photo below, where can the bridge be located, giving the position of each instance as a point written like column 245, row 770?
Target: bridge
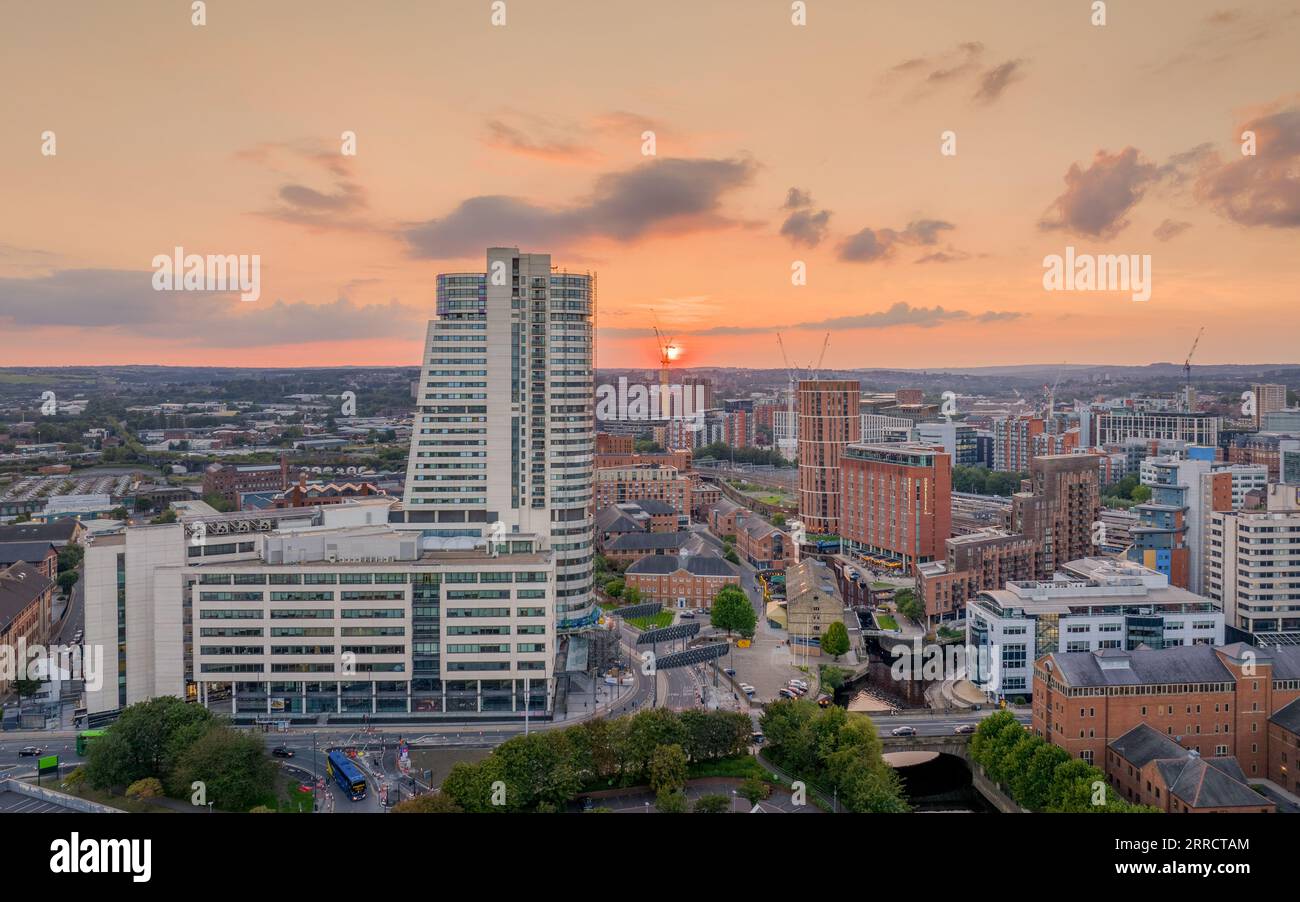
column 949, row 744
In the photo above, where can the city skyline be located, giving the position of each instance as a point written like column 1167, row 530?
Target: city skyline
column 913, row 258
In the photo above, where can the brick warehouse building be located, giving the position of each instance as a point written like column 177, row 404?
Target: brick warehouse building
column 686, row 581
column 897, row 501
column 1219, row 701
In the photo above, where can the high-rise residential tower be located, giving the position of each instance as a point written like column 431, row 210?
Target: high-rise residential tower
column 504, row 432
column 829, row 420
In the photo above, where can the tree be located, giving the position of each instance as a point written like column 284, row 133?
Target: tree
column 614, row 588
column 833, row 677
column 231, row 764
column 732, row 556
column 732, row 612
column 148, row 788
column 1141, row 494
column 714, row 803
column 835, row 641
column 27, row 688
column 70, row 557
column 119, row 513
column 754, row 790
column 668, row 769
column 671, row 802
column 631, row 595
column 146, row 741
column 167, row 516
column 67, row 579
column 428, row 803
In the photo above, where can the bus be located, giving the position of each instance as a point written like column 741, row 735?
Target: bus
column 85, row 738
column 346, row 774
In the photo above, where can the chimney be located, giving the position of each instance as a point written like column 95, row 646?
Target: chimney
column 284, row 470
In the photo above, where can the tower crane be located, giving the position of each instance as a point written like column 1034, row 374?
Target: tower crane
column 1187, row 373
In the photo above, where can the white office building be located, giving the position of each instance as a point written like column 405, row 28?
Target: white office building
column 1092, row 604
column 319, row 612
column 503, row 440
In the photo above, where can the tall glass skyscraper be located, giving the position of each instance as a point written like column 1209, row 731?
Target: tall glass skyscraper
column 504, row 435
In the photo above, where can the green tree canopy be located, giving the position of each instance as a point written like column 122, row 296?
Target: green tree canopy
column 732, row 611
column 835, row 641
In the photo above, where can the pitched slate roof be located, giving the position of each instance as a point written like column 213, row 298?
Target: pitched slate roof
column 1144, row 744
column 32, row 552
column 20, row 585
column 1141, row 667
column 1209, row 782
column 654, row 506
column 611, row 519
column 696, row 564
column 648, row 541
column 1288, row 717
column 61, row 530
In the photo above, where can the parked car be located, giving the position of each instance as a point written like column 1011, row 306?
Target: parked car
column 687, row 615
column 756, row 737
column 281, row 752
column 824, row 701
column 903, row 731
column 729, row 671
column 800, row 683
column 964, row 728
column 29, row 751
column 786, row 693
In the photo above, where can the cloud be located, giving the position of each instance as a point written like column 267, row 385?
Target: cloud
column 338, row 205
column 964, row 66
column 900, row 314
column 803, row 225
column 1170, row 229
column 658, row 197
column 870, row 245
column 506, row 137
column 1096, row 199
column 1260, row 190
column 123, row 302
column 998, row 79
column 951, row 255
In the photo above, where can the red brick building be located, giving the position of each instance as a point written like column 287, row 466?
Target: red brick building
column 25, row 598
column 897, row 501
column 688, row 581
column 1146, row 767
column 1217, row 701
column 229, row 481
column 829, row 420
column 763, row 545
column 972, row 563
column 616, row 485
column 1056, row 512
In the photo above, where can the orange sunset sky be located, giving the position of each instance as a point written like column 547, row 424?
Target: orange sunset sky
column 774, row 142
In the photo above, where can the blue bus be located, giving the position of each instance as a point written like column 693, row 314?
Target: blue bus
column 346, row 774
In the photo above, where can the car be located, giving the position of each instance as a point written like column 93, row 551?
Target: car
column 729, row 671
column 963, row 728
column 903, row 731
column 756, row 737
column 687, row 615
column 281, row 752
column 800, row 683
column 786, row 693
column 29, row 751
column 747, row 687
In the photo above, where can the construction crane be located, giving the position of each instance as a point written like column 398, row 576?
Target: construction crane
column 1187, row 373
column 814, row 372
column 1051, row 398
column 789, row 371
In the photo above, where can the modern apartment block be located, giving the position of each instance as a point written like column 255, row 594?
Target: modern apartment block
column 1185, row 493
column 829, row 420
column 1013, row 442
column 319, row 611
column 503, row 437
column 1092, row 604
column 897, row 501
column 973, row 562
column 1115, row 427
column 1252, row 567
column 1268, row 397
column 1059, row 508
column 1217, row 701
column 618, row 485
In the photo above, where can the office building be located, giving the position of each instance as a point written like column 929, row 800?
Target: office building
column 1092, row 604
column 1268, row 398
column 504, row 431
column 326, row 610
column 1115, row 427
